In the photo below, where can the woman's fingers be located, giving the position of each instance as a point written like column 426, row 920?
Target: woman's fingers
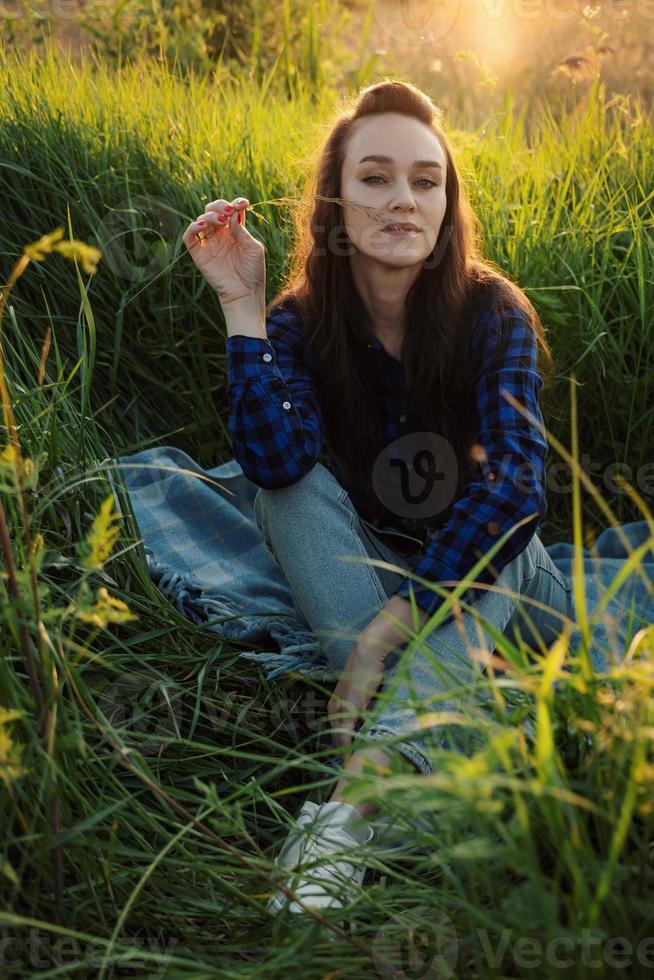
column 238, row 204
column 206, row 226
column 214, row 219
column 235, row 210
column 219, row 214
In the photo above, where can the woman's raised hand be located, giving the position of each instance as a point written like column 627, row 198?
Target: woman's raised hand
column 230, row 259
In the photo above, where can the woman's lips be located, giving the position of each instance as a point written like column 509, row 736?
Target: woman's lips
column 401, row 232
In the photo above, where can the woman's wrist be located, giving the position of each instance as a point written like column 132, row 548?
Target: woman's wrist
column 247, row 316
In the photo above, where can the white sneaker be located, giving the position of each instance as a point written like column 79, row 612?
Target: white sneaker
column 321, row 854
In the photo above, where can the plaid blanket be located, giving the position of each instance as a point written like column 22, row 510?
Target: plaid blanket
column 206, row 554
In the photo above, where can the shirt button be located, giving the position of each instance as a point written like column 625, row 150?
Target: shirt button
column 286, row 405
column 402, row 418
column 267, row 357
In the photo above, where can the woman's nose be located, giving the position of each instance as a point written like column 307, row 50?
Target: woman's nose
column 402, row 205
column 403, row 198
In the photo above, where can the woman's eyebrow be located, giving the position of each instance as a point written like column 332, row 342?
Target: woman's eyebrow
column 418, row 163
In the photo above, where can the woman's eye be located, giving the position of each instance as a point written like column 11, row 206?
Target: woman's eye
column 429, row 182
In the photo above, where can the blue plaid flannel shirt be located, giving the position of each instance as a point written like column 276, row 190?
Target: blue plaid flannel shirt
column 276, row 430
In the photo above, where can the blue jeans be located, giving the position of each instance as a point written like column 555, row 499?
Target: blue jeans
column 312, row 528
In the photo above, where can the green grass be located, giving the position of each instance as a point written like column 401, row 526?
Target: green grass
column 142, row 813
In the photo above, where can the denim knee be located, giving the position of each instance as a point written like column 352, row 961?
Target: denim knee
column 316, row 484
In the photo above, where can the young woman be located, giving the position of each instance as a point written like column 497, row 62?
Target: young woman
column 391, row 351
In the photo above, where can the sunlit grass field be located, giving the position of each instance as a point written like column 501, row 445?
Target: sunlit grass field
column 139, row 830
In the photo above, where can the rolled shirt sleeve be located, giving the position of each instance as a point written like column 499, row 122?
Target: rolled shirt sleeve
column 511, row 485
column 274, row 420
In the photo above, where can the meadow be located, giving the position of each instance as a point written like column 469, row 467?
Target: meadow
column 146, row 771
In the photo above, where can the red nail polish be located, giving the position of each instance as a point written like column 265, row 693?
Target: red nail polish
column 202, row 222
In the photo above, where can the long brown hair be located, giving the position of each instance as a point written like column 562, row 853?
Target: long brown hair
column 455, row 283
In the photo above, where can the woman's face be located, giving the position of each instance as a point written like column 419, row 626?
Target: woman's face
column 405, row 183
